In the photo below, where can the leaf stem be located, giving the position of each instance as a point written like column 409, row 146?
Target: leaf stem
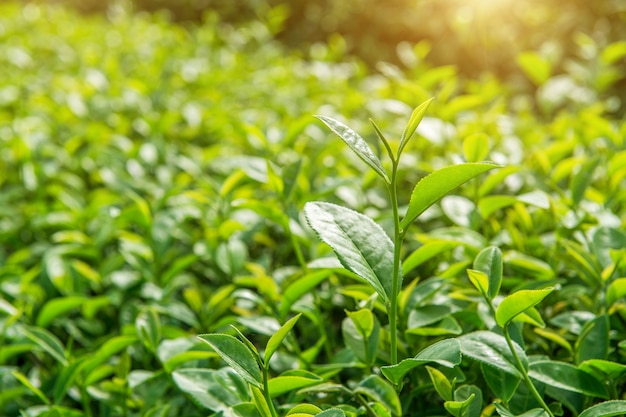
column 266, row 390
column 524, row 373
column 392, row 309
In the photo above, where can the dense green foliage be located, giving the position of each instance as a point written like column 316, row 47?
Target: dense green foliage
column 164, row 191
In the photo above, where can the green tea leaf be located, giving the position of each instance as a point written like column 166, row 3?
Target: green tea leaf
column 148, row 326
column 426, row 252
column 107, row 350
column 605, row 409
column 277, row 338
column 300, row 287
column 292, row 380
column 492, row 350
column 260, row 402
column 332, row 412
column 57, row 307
column 502, row 384
column 363, row 320
column 26, row 382
column 381, row 391
column 48, row 342
column 304, row 409
column 565, row 376
column 446, row 352
column 361, row 245
column 357, row 144
column 480, row 280
column 474, row 398
column 593, row 342
column 489, row 261
column 535, row 412
column 66, row 379
column 607, row 369
column 439, row 183
column 364, row 347
column 519, row 302
column 237, row 355
column 536, row 67
column 414, row 121
column 458, row 408
column 212, row 389
column 581, row 180
column 441, row 383
column 476, row 147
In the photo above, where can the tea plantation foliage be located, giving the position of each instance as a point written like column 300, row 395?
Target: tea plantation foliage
column 153, row 183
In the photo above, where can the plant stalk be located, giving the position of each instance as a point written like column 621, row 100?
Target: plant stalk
column 527, row 380
column 266, row 391
column 392, row 309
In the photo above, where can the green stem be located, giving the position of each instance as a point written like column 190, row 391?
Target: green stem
column 522, row 370
column 266, row 392
column 392, row 309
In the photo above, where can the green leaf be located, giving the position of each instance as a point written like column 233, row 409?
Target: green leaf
column 414, row 121
column 439, row 183
column 363, row 320
column 426, row 252
column 332, row 412
column 300, row 287
column 528, row 265
column 519, row 302
column 107, row 350
column 292, row 380
column 57, row 307
column 26, row 382
column 66, row 379
column 535, row 412
column 277, row 338
column 581, row 180
column 492, row 350
column 357, row 144
column 260, row 402
column 446, row 352
column 458, row 408
column 606, row 369
column 474, row 397
column 489, row 261
column 211, row 389
column 148, row 326
column 502, row 384
column 304, row 409
column 605, row 409
column 536, row 67
column 47, row 342
column 381, row 391
column 237, row 355
column 361, row 245
column 480, row 280
column 613, row 52
column 364, row 347
column 428, row 314
column 565, row 376
column 441, row 383
column 476, row 147
column 593, row 341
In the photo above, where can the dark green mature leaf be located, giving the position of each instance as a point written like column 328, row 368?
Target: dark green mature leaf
column 535, row 412
column 414, row 121
column 237, row 355
column 446, row 353
column 605, row 409
column 332, row 412
column 565, row 376
column 593, row 342
column 66, row 379
column 361, row 245
column 502, row 384
column 211, row 389
column 489, row 261
column 439, row 183
column 357, row 144
column 518, row 303
column 381, row 391
column 474, row 397
column 278, row 337
column 492, row 350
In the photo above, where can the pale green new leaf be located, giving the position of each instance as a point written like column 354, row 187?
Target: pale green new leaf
column 292, row 380
column 476, row 147
column 489, row 261
column 237, row 355
column 439, row 183
column 441, row 383
column 278, row 337
column 26, row 382
column 457, row 408
column 519, row 302
column 480, row 280
column 445, row 352
column 414, row 121
column 361, row 245
column 47, row 342
column 357, row 144
column 57, row 307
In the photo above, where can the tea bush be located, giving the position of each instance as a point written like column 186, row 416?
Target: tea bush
column 181, row 237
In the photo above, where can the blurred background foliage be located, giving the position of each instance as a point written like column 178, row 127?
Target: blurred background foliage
column 477, row 36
